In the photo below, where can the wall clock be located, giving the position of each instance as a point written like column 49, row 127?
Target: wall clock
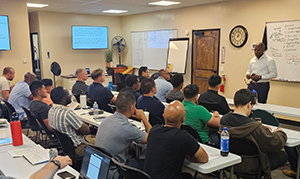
column 238, row 36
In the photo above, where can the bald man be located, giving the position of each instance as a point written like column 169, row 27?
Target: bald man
column 261, row 70
column 163, row 85
column 21, row 95
column 168, row 145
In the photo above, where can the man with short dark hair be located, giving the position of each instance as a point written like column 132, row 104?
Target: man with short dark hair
column 37, row 107
column 199, row 117
column 49, row 86
column 261, row 70
column 132, row 85
column 80, row 87
column 8, row 75
column 163, row 85
column 212, row 96
column 116, row 133
column 167, row 146
column 21, row 95
column 269, row 143
column 147, row 102
column 97, row 92
column 67, row 122
column 176, row 93
column 143, row 73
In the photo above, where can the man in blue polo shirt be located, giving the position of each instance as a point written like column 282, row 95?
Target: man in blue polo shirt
column 97, row 92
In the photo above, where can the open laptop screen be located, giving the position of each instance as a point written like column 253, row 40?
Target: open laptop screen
column 95, row 165
column 88, row 71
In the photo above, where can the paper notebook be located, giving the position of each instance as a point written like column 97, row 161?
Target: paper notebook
column 35, row 155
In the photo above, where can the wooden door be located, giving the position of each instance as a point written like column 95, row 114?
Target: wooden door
column 205, row 56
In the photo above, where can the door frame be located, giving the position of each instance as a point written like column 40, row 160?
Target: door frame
column 218, row 29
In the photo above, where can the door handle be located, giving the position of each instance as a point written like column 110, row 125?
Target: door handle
column 215, row 71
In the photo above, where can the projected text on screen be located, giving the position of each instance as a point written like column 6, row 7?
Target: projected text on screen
column 4, row 33
column 89, row 37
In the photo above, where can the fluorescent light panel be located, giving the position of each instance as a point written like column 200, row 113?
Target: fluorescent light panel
column 164, row 3
column 36, row 5
column 115, row 11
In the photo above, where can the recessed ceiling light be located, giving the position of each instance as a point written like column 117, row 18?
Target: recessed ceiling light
column 164, row 3
column 114, row 11
column 36, row 5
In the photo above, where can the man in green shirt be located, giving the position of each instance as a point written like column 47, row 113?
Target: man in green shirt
column 199, row 117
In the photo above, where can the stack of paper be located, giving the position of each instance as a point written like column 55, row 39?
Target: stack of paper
column 3, row 122
column 35, row 155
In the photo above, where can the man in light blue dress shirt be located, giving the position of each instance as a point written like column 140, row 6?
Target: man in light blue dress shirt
column 163, row 85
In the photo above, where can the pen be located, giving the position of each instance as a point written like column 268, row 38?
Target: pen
column 82, row 114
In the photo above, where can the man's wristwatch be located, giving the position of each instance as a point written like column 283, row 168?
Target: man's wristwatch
column 259, row 77
column 57, row 163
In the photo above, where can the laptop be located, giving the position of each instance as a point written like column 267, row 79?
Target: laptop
column 95, row 164
column 88, row 71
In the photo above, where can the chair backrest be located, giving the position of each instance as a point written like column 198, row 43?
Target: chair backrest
column 66, row 143
column 192, row 131
column 31, row 120
column 266, row 117
column 120, row 81
column 211, row 106
column 10, row 109
column 155, row 120
column 241, row 146
column 154, row 76
column 128, row 172
column 50, row 134
column 97, row 148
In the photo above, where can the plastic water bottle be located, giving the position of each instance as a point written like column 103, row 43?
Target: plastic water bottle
column 224, row 142
column 255, row 95
column 95, row 110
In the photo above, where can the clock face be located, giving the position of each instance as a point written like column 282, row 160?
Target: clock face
column 238, row 36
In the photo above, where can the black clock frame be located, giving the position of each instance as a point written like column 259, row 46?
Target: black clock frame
column 246, row 36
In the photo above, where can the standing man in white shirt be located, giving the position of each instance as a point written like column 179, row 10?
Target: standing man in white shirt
column 163, row 85
column 261, row 70
column 8, row 75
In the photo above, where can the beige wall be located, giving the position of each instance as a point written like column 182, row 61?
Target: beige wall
column 55, row 37
column 251, row 14
column 19, row 38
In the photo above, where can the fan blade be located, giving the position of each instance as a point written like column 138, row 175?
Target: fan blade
column 122, row 45
column 121, row 40
column 115, row 44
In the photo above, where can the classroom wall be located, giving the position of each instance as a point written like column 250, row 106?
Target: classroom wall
column 55, row 38
column 19, row 39
column 251, row 14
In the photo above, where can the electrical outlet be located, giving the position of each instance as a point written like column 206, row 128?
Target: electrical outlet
column 25, row 60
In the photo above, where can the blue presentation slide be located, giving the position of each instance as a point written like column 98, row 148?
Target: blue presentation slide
column 4, row 33
column 94, row 167
column 89, row 37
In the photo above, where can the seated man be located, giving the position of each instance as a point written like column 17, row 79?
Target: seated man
column 116, row 133
column 241, row 126
column 147, row 102
column 49, row 86
column 212, row 96
column 80, row 87
column 176, row 93
column 143, row 73
column 97, row 92
column 198, row 116
column 167, row 146
column 21, row 95
column 132, row 85
column 8, row 75
column 162, row 85
column 37, row 107
column 67, row 122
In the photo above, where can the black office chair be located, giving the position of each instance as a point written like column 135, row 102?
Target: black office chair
column 266, row 117
column 121, row 81
column 192, row 131
column 248, row 151
column 127, row 172
column 33, row 125
column 153, row 120
column 68, row 149
column 212, row 106
column 107, row 153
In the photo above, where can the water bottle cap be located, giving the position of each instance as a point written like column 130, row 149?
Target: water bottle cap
column 225, row 128
column 254, row 91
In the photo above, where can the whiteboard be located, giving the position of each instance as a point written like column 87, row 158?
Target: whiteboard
column 283, row 40
column 177, row 55
column 149, row 48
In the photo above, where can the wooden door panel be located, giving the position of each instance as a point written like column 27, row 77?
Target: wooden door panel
column 205, row 56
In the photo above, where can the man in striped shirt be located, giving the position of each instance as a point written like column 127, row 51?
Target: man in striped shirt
column 66, row 121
